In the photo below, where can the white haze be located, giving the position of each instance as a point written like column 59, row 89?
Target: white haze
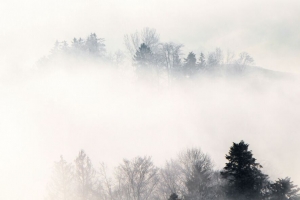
column 57, row 111
column 48, row 113
column 267, row 30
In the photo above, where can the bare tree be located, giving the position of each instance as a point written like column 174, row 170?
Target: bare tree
column 215, row 58
column 137, row 179
column 229, row 57
column 172, row 179
column 171, row 53
column 245, row 59
column 147, row 36
column 106, row 184
column 197, row 168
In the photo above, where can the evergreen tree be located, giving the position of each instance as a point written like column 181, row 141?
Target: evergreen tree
column 202, row 61
column 284, row 189
column 199, row 185
column 94, row 45
column 198, row 169
column 245, row 179
column 60, row 188
column 143, row 60
column 78, row 47
column 84, row 177
column 190, row 66
column 143, row 57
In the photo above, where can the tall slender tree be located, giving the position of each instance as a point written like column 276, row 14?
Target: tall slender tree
column 85, row 177
column 61, row 185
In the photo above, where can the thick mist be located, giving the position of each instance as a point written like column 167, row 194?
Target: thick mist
column 110, row 114
column 59, row 98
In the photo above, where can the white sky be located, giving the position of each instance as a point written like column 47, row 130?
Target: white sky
column 268, row 30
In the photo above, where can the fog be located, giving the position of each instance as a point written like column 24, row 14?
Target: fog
column 268, row 30
column 109, row 114
column 62, row 108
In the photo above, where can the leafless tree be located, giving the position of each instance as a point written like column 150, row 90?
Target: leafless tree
column 137, row 179
column 245, row 59
column 105, row 184
column 197, row 168
column 172, row 179
column 171, row 53
column 215, row 58
column 229, row 57
column 147, row 36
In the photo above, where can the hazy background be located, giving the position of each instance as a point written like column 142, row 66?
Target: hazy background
column 44, row 114
column 268, row 30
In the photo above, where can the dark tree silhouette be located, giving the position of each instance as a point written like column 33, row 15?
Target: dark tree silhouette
column 143, row 57
column 144, row 62
column 284, row 189
column 190, row 66
column 173, row 196
column 245, row 179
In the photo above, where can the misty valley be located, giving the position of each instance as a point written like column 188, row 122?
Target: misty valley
column 143, row 119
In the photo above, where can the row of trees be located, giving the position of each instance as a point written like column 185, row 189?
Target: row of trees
column 160, row 59
column 151, row 58
column 191, row 176
column 92, row 46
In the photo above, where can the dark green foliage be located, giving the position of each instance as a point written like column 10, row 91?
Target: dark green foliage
column 243, row 174
column 284, row 189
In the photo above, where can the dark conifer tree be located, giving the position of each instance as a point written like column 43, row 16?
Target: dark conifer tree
column 190, row 66
column 143, row 60
column 143, row 57
column 245, row 179
column 284, row 189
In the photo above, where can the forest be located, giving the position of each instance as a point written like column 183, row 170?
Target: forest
column 191, row 176
column 151, row 59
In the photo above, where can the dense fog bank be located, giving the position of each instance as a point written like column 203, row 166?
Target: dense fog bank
column 112, row 115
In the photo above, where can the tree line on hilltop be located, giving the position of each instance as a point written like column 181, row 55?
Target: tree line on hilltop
column 151, row 58
column 191, row 176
